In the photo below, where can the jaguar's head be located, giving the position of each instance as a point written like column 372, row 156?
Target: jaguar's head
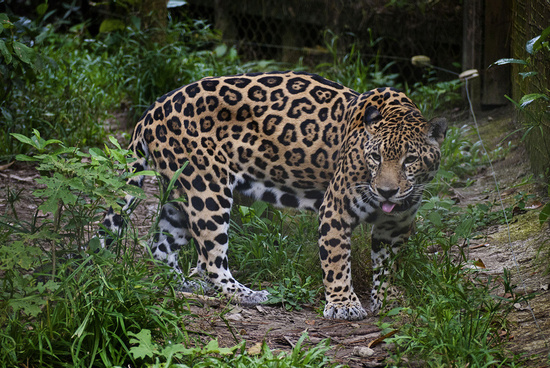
column 402, row 155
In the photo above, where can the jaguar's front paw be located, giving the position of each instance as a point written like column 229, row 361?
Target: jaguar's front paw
column 351, row 311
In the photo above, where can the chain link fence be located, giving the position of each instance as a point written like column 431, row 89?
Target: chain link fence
column 293, row 30
column 529, row 19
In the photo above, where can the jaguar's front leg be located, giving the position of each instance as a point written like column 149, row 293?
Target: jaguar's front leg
column 387, row 239
column 334, row 252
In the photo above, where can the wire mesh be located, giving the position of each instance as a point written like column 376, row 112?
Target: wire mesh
column 293, row 30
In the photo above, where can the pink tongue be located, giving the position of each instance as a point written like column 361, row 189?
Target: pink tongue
column 387, row 207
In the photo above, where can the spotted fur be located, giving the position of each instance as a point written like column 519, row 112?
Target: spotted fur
column 294, row 140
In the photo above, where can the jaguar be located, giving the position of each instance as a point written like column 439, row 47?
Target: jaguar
column 292, row 139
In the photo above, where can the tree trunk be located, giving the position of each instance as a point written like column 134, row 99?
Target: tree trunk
column 155, row 18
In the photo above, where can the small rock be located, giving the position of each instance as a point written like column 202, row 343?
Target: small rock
column 362, row 351
column 518, row 306
column 234, row 317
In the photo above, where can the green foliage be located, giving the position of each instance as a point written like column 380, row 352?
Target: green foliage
column 534, row 107
column 212, row 355
column 77, row 308
column 352, row 71
column 264, row 247
column 83, row 315
column 435, row 96
column 16, row 56
column 292, row 293
column 79, row 184
column 452, row 316
column 462, row 158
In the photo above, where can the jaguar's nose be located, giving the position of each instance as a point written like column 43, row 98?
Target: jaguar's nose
column 387, row 193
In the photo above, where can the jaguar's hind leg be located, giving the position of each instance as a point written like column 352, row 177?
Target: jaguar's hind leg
column 114, row 223
column 209, row 225
column 172, row 235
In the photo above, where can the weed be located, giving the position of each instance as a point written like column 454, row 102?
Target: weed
column 77, row 309
column 435, row 96
column 452, row 315
column 212, row 355
column 79, row 183
column 263, row 248
column 292, row 293
column 352, row 71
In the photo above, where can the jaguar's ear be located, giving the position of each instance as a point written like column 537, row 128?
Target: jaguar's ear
column 437, row 129
column 371, row 118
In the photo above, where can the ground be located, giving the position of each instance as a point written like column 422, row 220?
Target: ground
column 516, row 250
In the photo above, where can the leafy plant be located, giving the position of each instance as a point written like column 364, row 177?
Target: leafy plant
column 452, row 317
column 533, row 46
column 436, row 96
column 79, row 183
column 351, row 70
column 262, row 248
column 212, row 355
column 292, row 293
column 78, row 309
column 535, row 107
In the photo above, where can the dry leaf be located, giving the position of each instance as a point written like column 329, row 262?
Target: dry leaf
column 4, row 167
column 255, row 350
column 479, row 246
column 310, row 322
column 381, row 338
column 534, row 205
column 479, row 263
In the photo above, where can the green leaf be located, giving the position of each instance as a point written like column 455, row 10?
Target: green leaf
column 146, row 347
column 5, row 22
column 435, row 218
column 509, row 61
column 528, row 74
column 464, row 229
column 97, row 154
column 174, row 349
column 24, row 52
column 30, row 305
column 539, row 42
column 175, row 3
column 529, row 45
column 21, row 157
column 5, row 52
column 114, row 141
column 544, row 214
column 56, row 190
column 23, row 139
column 110, row 25
column 42, row 8
column 528, row 99
column 213, row 348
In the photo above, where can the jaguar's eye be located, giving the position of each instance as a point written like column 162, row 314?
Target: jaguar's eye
column 375, row 156
column 410, row 159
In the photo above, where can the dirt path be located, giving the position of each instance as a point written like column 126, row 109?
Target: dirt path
column 282, row 329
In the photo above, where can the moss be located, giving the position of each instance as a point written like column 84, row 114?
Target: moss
column 522, row 227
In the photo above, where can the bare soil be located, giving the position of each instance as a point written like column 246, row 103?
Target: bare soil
column 519, row 251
